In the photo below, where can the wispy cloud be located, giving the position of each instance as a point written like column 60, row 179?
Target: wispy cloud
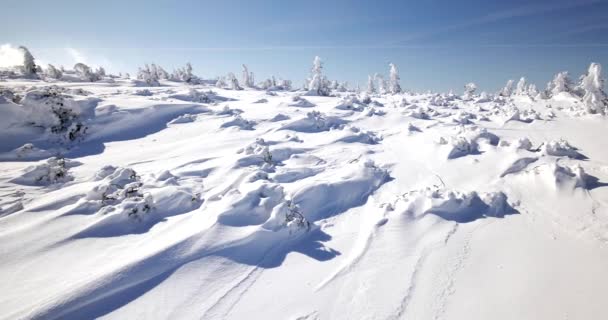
column 519, row 12
column 76, row 55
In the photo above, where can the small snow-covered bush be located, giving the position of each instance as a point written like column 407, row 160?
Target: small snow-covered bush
column 53, row 170
column 50, row 108
column 52, row 73
column 561, row 148
column 85, row 73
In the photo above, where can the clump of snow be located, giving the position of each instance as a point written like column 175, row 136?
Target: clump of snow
column 185, row 118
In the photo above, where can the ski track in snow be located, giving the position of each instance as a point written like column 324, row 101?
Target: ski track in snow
column 353, row 205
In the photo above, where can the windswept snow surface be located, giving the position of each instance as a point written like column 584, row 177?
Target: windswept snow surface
column 177, row 202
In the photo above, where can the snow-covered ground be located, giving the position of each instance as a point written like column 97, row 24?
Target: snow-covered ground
column 174, row 202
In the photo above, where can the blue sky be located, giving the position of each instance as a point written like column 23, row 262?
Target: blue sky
column 437, row 45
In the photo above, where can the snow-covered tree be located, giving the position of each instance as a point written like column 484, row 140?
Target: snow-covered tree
column 532, row 91
column 159, row 72
column 333, row 84
column 342, row 87
column 393, row 85
column 183, row 74
column 100, row 72
column 561, row 83
column 507, row 91
column 594, row 99
column 469, row 90
column 318, row 83
column 381, row 84
column 221, row 82
column 52, row 72
column 370, row 85
column 85, row 73
column 248, row 78
column 29, row 66
column 522, row 87
column 149, row 75
column 234, row 82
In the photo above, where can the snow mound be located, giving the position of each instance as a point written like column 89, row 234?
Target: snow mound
column 239, row 122
column 53, row 170
column 123, row 202
column 361, row 136
column 315, row 121
column 455, row 206
column 299, row 102
column 561, row 148
column 350, row 103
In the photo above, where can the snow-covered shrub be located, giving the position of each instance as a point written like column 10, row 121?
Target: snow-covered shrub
column 318, row 84
column 183, row 74
column 461, row 146
column 143, row 93
column 29, row 67
column 522, row 87
column 561, row 83
column 594, row 99
column 294, row 216
column 455, row 205
column 315, row 121
column 532, row 91
column 85, row 73
column 221, row 82
column 50, row 108
column 507, row 91
column 561, row 148
column 53, row 170
column 469, row 90
column 52, row 73
column 371, row 88
column 234, row 82
column 239, row 122
column 393, row 84
column 248, row 78
column 148, row 75
column 381, row 83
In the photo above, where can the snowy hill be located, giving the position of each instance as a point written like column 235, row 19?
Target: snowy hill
column 182, row 201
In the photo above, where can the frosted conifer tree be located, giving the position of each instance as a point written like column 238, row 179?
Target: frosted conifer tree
column 221, row 82
column 522, row 87
column 594, row 99
column 381, row 84
column 234, row 82
column 85, row 73
column 29, row 66
column 52, row 72
column 532, row 91
column 393, row 85
column 370, row 85
column 318, row 83
column 561, row 83
column 469, row 90
column 148, row 75
column 507, row 91
column 248, row 79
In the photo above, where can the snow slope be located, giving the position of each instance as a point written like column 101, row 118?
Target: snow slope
column 180, row 203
